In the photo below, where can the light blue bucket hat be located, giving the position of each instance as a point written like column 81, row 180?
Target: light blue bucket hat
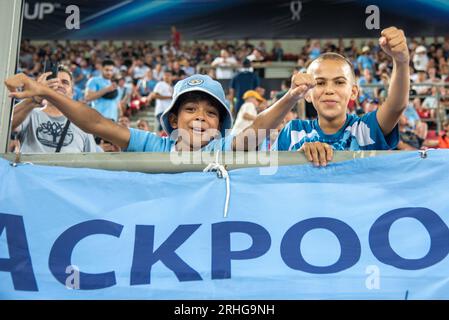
column 203, row 83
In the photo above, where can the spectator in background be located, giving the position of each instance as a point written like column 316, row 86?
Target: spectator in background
column 158, row 72
column 42, row 128
column 124, row 122
column 433, row 77
column 408, row 140
column 177, row 73
column 277, row 52
column 257, row 57
column 414, row 121
column 147, row 84
column 124, row 91
column 444, row 72
column 138, row 69
column 78, row 94
column 243, row 81
column 365, row 61
column 314, row 50
column 422, row 79
column 225, row 65
column 162, row 93
column 103, row 94
column 248, row 112
column 175, row 38
column 420, row 59
column 187, row 67
column 97, row 70
column 143, row 125
column 443, row 138
column 383, row 91
column 368, row 79
column 78, row 76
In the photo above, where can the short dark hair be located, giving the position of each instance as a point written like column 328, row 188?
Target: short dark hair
column 108, row 62
column 63, row 68
column 336, row 57
column 197, row 96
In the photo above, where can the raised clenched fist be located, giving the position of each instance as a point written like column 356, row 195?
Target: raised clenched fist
column 394, row 43
column 301, row 83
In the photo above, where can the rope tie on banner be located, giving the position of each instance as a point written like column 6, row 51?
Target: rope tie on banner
column 221, row 173
column 17, row 161
column 423, row 153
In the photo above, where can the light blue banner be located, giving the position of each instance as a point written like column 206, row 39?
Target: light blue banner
column 374, row 228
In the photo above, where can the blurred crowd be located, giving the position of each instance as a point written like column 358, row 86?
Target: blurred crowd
column 138, row 76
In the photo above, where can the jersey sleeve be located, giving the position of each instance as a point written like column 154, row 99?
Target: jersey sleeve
column 371, row 137
column 92, row 85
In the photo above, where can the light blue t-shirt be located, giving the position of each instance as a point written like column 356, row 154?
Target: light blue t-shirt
column 107, row 107
column 144, row 141
column 366, row 62
column 356, row 134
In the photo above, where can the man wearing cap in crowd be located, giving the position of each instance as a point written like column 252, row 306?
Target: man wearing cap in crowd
column 253, row 102
column 365, row 61
column 420, row 59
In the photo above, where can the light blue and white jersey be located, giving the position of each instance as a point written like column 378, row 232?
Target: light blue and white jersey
column 144, row 141
column 358, row 133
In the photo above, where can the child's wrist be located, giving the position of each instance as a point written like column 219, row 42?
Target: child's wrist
column 402, row 63
column 293, row 97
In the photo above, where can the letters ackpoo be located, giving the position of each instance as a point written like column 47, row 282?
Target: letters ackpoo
column 19, row 262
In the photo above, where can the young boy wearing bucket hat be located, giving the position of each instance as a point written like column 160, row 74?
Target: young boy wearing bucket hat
column 197, row 119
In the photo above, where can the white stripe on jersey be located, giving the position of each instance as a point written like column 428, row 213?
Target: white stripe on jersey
column 361, row 132
column 297, row 136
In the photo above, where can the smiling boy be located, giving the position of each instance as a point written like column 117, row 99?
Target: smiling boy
column 331, row 86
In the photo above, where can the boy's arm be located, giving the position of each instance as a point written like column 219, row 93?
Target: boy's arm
column 87, row 119
column 24, row 107
column 394, row 43
column 249, row 116
column 272, row 117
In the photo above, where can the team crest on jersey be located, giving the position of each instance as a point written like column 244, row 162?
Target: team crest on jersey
column 195, row 82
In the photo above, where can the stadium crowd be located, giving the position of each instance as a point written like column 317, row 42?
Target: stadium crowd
column 122, row 81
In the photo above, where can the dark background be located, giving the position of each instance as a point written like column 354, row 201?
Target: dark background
column 230, row 19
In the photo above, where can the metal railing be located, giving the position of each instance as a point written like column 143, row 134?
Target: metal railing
column 157, row 162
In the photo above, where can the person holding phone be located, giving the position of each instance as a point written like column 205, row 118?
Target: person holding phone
column 103, row 94
column 42, row 128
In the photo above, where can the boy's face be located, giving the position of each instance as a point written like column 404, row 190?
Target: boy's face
column 197, row 122
column 335, row 87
